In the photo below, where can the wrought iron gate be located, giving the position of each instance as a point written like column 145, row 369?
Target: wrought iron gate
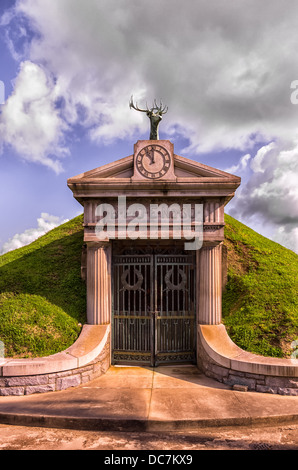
column 153, row 309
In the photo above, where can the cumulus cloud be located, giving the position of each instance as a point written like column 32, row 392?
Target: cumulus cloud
column 29, row 121
column 225, row 73
column 287, row 236
column 271, row 192
column 241, row 166
column 45, row 223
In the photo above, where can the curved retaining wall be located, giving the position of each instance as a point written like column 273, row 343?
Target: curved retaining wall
column 223, row 360
column 86, row 359
column 89, row 357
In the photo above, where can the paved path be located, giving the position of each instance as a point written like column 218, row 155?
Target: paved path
column 281, row 437
column 167, row 398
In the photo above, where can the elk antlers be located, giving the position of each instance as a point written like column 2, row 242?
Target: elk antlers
column 159, row 109
column 154, row 114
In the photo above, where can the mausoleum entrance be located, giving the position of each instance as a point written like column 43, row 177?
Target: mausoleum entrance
column 153, row 230
column 153, row 312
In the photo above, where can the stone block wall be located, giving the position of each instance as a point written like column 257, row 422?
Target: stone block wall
column 253, row 382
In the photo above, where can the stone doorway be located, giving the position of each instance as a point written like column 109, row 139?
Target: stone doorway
column 153, row 314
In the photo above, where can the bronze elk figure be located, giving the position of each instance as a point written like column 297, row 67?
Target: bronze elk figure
column 154, row 114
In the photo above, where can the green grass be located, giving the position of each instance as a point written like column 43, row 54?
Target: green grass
column 43, row 299
column 260, row 302
column 42, row 296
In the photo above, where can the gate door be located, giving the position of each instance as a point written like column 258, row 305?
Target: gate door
column 153, row 309
column 133, row 323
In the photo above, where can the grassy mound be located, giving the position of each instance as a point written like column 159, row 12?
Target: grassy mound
column 42, row 296
column 260, row 302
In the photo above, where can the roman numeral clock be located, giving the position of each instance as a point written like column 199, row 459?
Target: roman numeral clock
column 153, row 160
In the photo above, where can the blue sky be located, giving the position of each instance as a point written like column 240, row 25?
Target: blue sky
column 224, row 69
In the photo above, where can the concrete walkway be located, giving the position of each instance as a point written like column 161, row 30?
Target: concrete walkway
column 145, row 399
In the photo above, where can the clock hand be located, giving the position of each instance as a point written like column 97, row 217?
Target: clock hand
column 152, row 160
column 150, row 154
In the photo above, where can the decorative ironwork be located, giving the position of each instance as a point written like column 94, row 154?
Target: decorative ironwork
column 180, row 286
column 153, row 308
column 137, row 285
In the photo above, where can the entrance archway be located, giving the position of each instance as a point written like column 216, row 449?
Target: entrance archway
column 153, row 314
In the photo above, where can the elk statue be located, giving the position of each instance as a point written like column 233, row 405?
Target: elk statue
column 154, row 114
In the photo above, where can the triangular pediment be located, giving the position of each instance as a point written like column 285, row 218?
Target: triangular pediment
column 184, row 168
column 187, row 168
column 122, row 168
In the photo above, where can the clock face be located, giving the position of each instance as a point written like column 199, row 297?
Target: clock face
column 153, row 161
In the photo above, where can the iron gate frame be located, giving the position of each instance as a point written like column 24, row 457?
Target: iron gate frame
column 153, row 316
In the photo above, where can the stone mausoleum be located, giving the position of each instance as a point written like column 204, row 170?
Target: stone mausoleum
column 143, row 276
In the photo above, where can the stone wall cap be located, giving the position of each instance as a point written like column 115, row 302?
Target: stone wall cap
column 86, row 348
column 225, row 352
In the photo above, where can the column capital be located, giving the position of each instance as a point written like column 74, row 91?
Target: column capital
column 210, row 244
column 99, row 244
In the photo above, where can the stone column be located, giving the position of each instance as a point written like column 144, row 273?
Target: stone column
column 98, row 283
column 209, row 272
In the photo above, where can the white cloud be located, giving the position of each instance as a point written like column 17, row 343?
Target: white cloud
column 224, row 72
column 271, row 193
column 287, row 236
column 262, row 156
column 29, row 121
column 241, row 166
column 6, row 18
column 45, row 223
